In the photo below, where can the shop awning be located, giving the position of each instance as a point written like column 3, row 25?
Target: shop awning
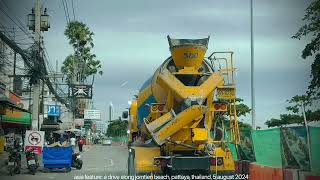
column 12, row 113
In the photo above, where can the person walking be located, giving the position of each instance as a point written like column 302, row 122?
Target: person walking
column 62, row 139
column 73, row 142
column 80, row 144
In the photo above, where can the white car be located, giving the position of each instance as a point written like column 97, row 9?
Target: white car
column 106, row 142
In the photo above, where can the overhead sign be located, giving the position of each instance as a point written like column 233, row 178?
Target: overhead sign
column 80, row 91
column 34, row 140
column 53, row 110
column 92, row 114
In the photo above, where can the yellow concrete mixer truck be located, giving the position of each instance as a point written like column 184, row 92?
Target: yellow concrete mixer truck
column 172, row 119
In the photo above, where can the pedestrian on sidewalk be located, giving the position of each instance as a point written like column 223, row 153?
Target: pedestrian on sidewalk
column 80, row 143
column 73, row 142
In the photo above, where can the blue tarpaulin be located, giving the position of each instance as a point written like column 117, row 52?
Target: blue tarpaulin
column 57, row 157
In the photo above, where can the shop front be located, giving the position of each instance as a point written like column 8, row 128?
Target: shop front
column 13, row 119
column 16, row 119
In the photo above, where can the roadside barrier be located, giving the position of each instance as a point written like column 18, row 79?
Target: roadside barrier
column 290, row 174
column 259, row 172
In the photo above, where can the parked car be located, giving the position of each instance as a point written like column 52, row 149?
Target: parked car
column 106, row 142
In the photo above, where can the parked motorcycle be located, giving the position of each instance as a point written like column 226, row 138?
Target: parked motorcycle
column 76, row 161
column 14, row 162
column 32, row 161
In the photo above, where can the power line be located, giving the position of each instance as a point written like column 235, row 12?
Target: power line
column 47, row 59
column 66, row 13
column 28, row 57
column 74, row 16
column 67, row 9
column 17, row 18
column 21, row 28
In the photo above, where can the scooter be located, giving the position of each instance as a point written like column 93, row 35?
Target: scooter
column 76, row 161
column 14, row 162
column 32, row 161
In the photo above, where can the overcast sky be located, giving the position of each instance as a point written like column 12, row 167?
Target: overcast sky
column 130, row 40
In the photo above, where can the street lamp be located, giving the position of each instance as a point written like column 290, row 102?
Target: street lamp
column 253, row 106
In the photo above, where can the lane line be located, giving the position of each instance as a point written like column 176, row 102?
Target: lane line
column 111, row 164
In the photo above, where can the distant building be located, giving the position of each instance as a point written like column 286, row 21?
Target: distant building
column 111, row 111
column 14, row 116
column 101, row 126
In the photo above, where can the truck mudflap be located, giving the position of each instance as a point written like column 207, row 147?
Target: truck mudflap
column 187, row 163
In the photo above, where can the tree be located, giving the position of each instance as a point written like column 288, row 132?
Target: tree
column 83, row 62
column 68, row 67
column 242, row 111
column 296, row 101
column 285, row 119
column 117, row 128
column 296, row 116
column 312, row 30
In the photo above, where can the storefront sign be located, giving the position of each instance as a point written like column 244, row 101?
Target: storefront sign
column 53, row 110
column 80, row 91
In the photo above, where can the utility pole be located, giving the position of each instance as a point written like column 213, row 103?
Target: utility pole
column 14, row 57
column 36, row 85
column 56, row 87
column 35, row 24
column 56, row 80
column 253, row 100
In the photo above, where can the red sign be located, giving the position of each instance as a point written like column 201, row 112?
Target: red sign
column 36, row 149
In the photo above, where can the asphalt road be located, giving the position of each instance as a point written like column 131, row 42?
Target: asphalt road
column 100, row 162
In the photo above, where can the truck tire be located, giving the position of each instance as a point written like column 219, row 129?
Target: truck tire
column 79, row 164
column 32, row 169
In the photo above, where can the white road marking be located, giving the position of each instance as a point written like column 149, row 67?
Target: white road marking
column 111, row 164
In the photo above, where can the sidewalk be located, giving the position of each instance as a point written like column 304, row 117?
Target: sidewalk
column 3, row 158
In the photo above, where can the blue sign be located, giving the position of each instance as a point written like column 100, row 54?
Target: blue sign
column 54, row 110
